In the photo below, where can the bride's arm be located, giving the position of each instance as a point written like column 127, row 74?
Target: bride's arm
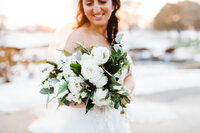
column 129, row 84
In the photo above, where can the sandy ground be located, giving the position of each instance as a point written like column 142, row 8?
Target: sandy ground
column 184, row 102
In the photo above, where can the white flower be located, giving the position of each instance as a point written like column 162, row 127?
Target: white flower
column 91, row 71
column 75, row 85
column 99, row 97
column 101, row 54
column 57, row 87
column 68, row 73
column 64, row 61
column 83, row 94
column 86, row 58
column 101, row 82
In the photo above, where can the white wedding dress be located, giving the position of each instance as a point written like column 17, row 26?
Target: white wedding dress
column 97, row 120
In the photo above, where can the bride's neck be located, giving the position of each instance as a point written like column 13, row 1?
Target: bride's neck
column 102, row 30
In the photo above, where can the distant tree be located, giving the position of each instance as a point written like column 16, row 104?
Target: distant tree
column 180, row 16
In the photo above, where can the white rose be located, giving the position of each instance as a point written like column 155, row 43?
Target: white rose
column 91, row 71
column 75, row 85
column 86, row 58
column 99, row 97
column 101, row 54
column 101, row 82
column 57, row 87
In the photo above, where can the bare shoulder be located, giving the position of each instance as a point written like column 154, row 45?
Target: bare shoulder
column 77, row 35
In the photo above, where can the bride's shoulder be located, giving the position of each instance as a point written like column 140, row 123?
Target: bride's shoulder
column 79, row 35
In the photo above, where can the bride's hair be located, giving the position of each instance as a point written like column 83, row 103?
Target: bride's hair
column 112, row 27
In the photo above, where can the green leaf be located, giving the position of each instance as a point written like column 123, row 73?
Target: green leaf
column 66, row 53
column 61, row 101
column 125, row 93
column 114, row 81
column 45, row 69
column 45, row 91
column 88, row 104
column 119, row 37
column 76, row 68
column 63, row 88
column 117, row 105
column 117, row 48
column 52, row 63
column 127, row 100
column 66, row 102
column 107, row 95
column 79, row 44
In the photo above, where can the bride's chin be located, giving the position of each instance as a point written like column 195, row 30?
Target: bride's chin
column 99, row 23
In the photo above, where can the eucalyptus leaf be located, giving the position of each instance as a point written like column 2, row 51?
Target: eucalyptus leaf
column 80, row 44
column 67, row 53
column 45, row 91
column 61, row 101
column 66, row 102
column 78, row 55
column 117, row 48
column 62, row 88
column 119, row 37
column 45, row 69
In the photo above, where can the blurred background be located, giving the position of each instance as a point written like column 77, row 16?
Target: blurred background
column 162, row 37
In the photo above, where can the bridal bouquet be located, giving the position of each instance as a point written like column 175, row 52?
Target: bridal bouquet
column 88, row 75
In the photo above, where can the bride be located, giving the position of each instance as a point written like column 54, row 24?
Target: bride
column 97, row 23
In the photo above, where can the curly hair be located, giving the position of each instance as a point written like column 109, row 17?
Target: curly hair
column 112, row 27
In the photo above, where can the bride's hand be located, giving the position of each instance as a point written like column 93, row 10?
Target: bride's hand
column 81, row 105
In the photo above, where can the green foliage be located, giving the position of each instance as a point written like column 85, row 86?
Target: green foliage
column 76, row 68
column 119, row 38
column 79, row 55
column 63, row 88
column 45, row 91
column 88, row 103
column 66, row 53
